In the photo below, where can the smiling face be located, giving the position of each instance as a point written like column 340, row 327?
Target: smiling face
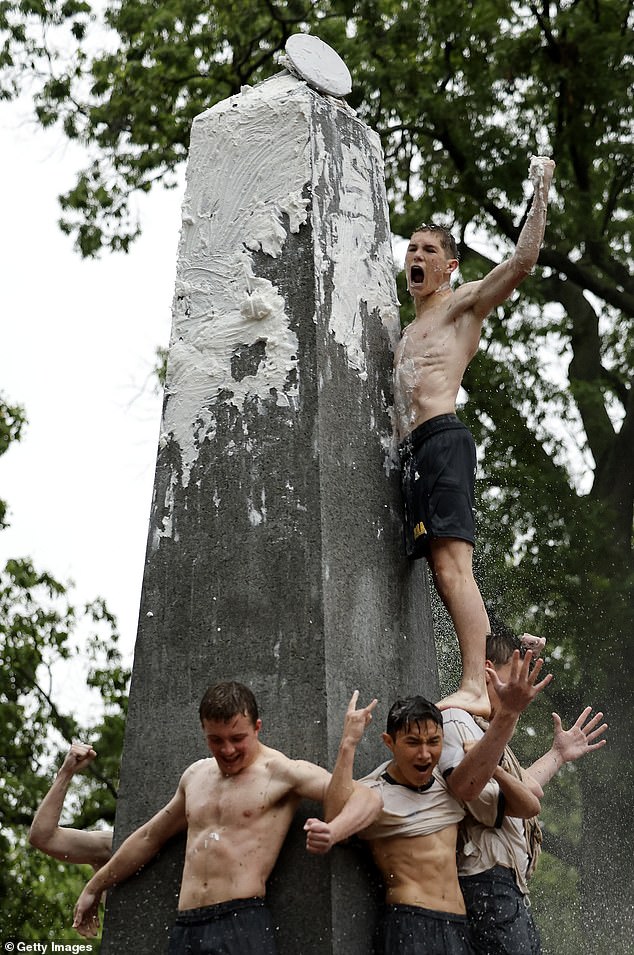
column 233, row 743
column 415, row 752
column 427, row 264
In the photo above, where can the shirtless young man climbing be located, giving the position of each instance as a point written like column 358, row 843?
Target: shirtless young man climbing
column 237, row 808
column 437, row 451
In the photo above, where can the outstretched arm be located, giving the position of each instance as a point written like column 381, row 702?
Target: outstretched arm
column 135, row 852
column 569, row 745
column 496, row 287
column 532, row 235
column 470, row 777
column 60, row 842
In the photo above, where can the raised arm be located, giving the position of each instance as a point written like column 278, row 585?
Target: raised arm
column 481, row 297
column 569, row 745
column 532, row 235
column 341, row 783
column 135, row 852
column 468, row 779
column 61, row 842
column 348, row 806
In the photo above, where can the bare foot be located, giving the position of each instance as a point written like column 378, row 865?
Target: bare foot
column 530, row 642
column 473, row 702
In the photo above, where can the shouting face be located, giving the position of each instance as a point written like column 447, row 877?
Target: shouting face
column 426, row 264
column 415, row 752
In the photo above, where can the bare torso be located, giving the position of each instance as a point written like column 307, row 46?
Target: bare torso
column 432, row 356
column 235, row 828
column 421, row 870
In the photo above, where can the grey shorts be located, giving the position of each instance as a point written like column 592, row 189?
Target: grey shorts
column 499, row 914
column 238, row 927
column 410, row 930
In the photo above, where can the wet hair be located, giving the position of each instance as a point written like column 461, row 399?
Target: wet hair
column 414, row 709
column 223, row 701
column 501, row 642
column 447, row 241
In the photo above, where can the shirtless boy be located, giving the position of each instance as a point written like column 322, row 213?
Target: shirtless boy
column 61, row 842
column 413, row 840
column 237, row 808
column 437, row 451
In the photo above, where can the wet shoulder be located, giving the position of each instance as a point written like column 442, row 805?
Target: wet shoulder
column 464, row 302
column 201, row 769
column 293, row 774
column 454, row 716
column 274, row 763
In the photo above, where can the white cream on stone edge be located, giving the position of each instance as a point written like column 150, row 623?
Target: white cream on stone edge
column 236, row 203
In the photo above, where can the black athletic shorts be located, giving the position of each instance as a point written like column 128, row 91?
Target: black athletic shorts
column 238, row 927
column 438, row 465
column 410, row 930
column 499, row 914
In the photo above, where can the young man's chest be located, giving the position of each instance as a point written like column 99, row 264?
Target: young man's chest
column 232, row 801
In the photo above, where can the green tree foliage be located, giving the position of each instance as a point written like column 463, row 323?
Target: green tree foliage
column 41, row 633
column 462, row 95
column 11, row 424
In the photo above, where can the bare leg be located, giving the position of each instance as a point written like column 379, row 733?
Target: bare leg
column 451, row 565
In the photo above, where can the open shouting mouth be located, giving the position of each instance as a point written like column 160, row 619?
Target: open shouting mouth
column 423, row 768
column 417, row 275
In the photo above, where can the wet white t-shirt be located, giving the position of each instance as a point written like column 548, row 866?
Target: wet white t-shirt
column 420, row 811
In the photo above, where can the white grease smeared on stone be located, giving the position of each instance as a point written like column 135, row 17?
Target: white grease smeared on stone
column 257, row 516
column 166, row 526
column 247, row 173
column 261, row 304
column 356, row 269
column 255, row 161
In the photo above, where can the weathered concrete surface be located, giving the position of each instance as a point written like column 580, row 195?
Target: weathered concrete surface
column 274, row 553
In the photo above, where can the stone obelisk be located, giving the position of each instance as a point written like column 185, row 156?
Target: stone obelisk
column 274, row 554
